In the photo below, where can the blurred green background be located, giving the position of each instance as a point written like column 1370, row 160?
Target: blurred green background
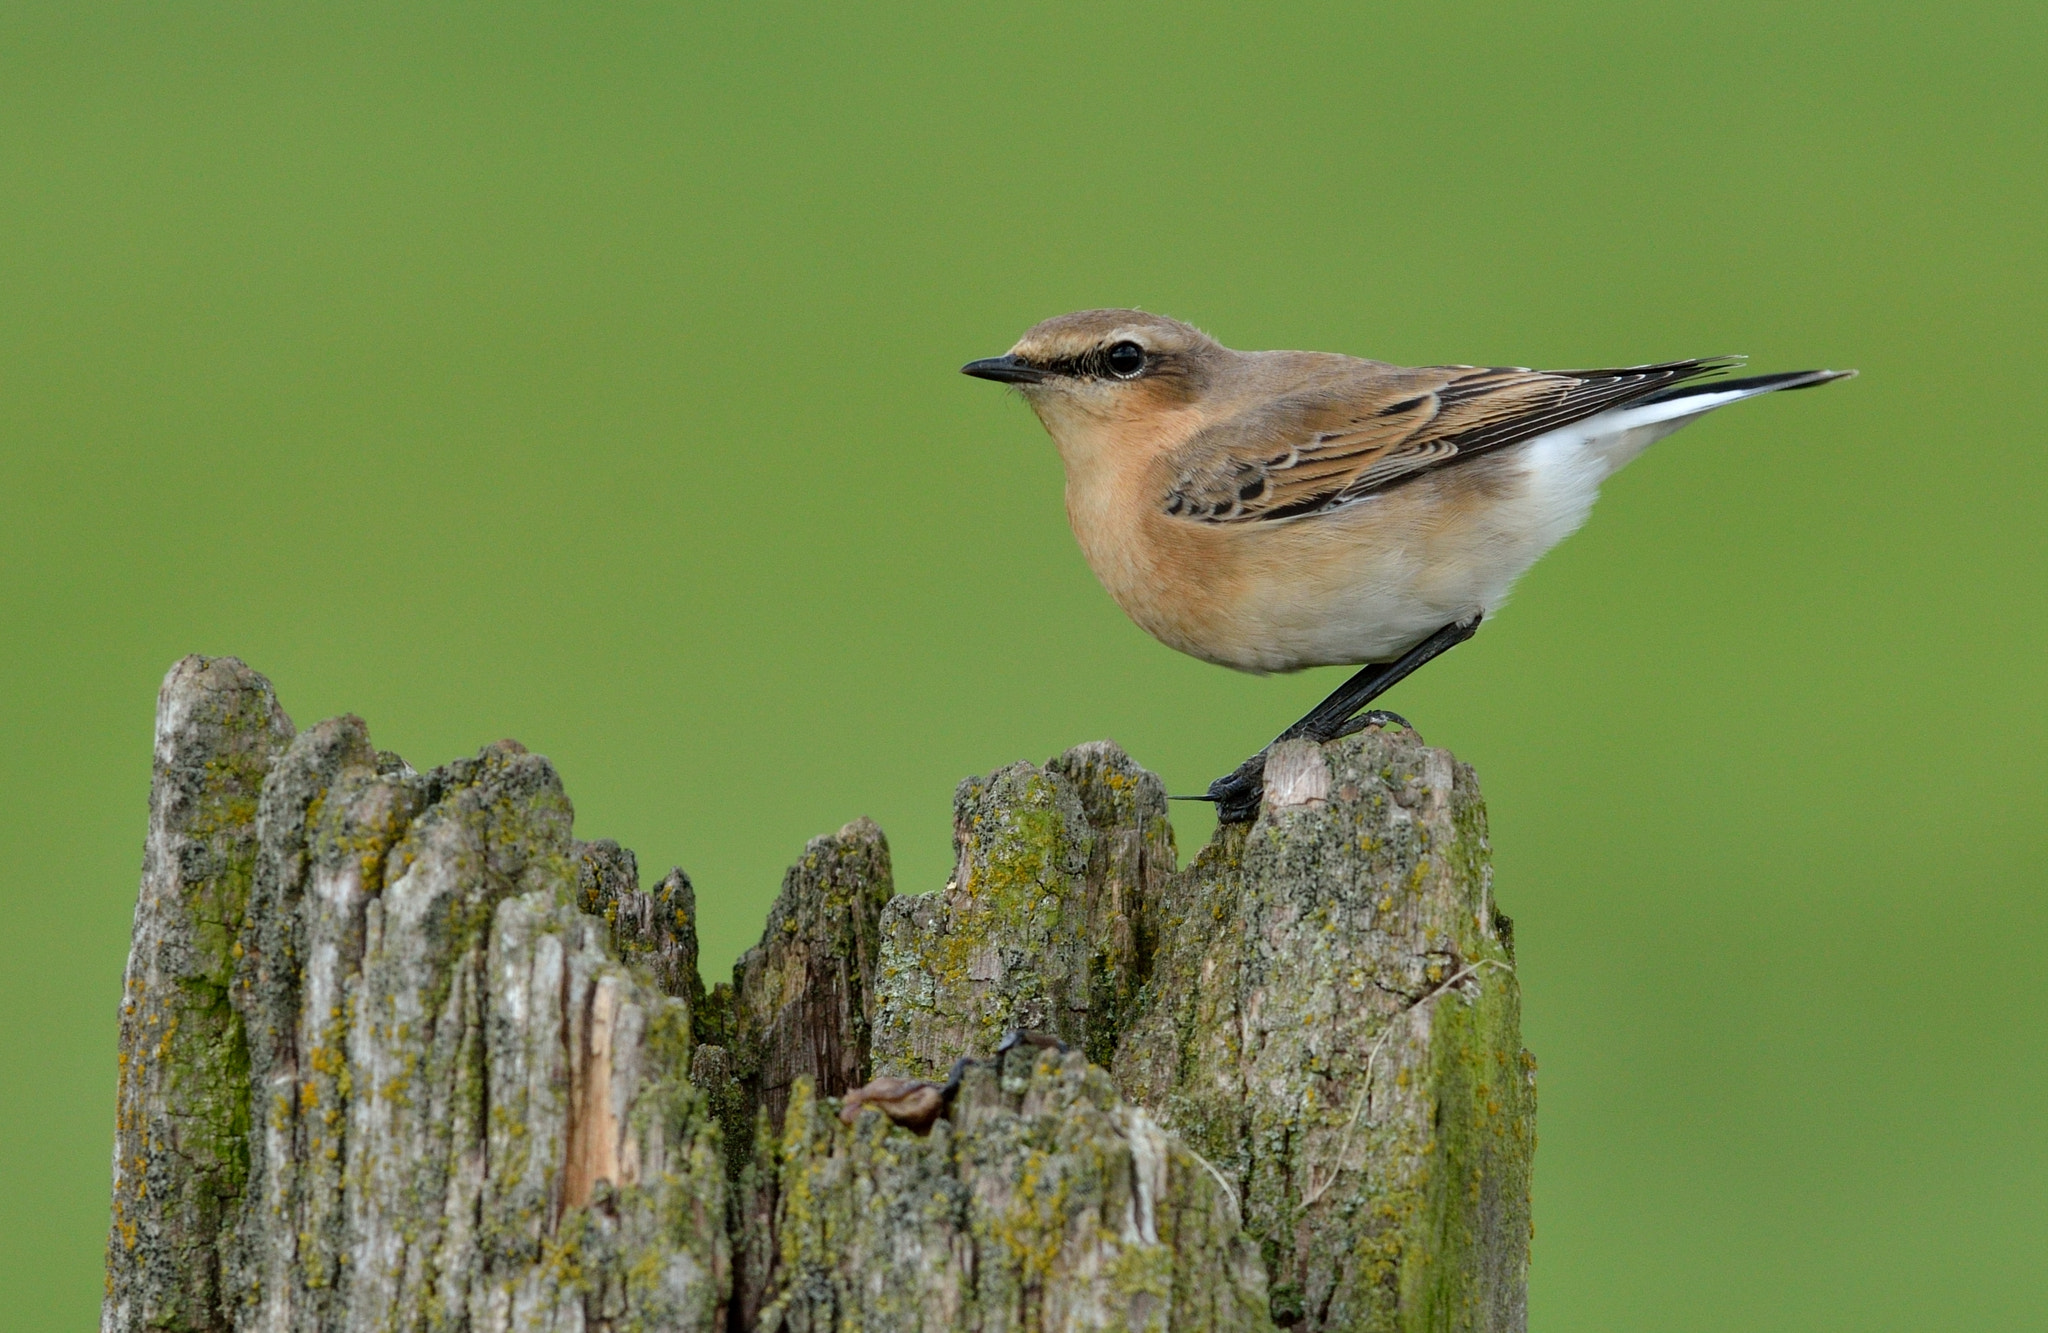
column 590, row 378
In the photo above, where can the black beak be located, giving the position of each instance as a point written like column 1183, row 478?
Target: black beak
column 1004, row 370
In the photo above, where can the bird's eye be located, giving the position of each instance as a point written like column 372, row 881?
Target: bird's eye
column 1126, row 359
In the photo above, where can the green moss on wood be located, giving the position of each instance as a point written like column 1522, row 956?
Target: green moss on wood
column 183, row 1097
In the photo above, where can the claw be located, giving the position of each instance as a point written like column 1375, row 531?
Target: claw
column 1237, row 794
column 1377, row 717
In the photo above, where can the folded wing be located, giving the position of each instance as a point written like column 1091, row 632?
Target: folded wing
column 1324, row 448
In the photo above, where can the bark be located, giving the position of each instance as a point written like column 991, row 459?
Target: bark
column 452, row 1105
column 181, row 1118
column 1333, row 1020
column 399, row 1052
column 796, row 1016
column 1044, row 924
column 1044, row 1201
column 802, row 1002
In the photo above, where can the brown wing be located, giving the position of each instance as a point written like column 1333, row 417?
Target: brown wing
column 1325, row 447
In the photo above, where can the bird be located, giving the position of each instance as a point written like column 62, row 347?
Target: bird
column 1274, row 511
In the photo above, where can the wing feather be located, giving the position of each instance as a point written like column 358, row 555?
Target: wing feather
column 1327, row 447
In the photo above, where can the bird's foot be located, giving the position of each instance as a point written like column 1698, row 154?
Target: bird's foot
column 1236, row 795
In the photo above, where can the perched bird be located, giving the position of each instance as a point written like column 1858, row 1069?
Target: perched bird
column 1271, row 511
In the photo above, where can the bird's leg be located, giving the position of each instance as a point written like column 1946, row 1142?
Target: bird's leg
column 1237, row 795
column 1329, row 719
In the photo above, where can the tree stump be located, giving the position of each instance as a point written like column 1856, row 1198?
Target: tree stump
column 399, row 1052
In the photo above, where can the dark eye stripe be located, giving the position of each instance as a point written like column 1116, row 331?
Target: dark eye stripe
column 1092, row 364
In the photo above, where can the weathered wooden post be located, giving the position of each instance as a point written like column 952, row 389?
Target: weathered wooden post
column 399, row 1052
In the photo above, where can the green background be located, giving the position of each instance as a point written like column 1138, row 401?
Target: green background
column 590, row 379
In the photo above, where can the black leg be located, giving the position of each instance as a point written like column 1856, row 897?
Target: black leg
column 1237, row 795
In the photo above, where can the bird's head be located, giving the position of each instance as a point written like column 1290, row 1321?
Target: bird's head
column 1099, row 366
